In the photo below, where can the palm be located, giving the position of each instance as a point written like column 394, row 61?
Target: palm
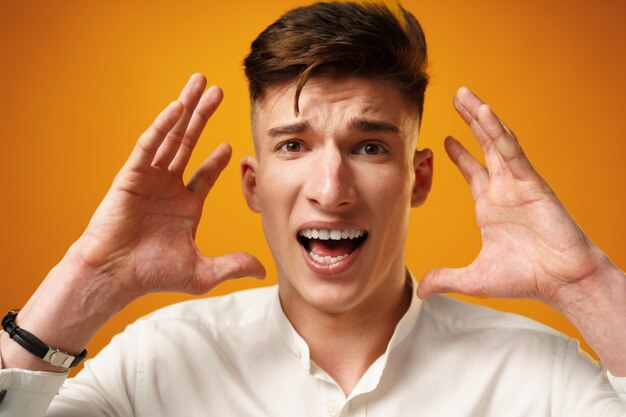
column 143, row 232
column 150, row 218
column 530, row 245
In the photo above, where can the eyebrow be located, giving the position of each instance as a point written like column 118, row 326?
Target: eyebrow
column 364, row 125
column 361, row 125
column 289, row 129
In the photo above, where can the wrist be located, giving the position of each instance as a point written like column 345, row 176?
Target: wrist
column 603, row 284
column 597, row 307
column 32, row 344
column 65, row 312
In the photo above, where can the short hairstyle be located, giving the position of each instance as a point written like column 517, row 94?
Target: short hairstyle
column 340, row 39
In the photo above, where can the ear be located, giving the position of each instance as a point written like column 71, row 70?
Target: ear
column 249, row 166
column 423, row 167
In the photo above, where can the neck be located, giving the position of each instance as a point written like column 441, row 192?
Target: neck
column 345, row 344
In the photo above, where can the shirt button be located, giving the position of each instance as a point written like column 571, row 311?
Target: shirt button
column 298, row 353
column 332, row 410
column 3, row 394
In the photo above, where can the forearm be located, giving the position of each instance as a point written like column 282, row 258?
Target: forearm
column 65, row 312
column 597, row 307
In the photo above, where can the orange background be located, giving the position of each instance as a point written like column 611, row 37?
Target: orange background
column 80, row 80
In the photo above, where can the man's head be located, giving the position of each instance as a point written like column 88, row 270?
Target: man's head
column 335, row 179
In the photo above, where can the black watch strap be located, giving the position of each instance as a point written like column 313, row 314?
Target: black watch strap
column 38, row 348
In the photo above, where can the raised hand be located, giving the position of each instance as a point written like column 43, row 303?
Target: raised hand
column 140, row 239
column 142, row 234
column 531, row 247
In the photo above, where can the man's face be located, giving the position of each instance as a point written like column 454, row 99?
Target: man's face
column 334, row 186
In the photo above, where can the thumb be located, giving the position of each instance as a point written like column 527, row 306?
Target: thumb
column 212, row 271
column 446, row 280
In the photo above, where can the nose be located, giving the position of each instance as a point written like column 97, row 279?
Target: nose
column 330, row 185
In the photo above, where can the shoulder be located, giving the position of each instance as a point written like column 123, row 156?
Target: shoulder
column 489, row 343
column 461, row 318
column 241, row 308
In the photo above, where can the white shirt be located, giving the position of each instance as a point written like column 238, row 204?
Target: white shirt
column 238, row 355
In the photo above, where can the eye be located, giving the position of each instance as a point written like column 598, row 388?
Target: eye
column 371, row 149
column 291, row 146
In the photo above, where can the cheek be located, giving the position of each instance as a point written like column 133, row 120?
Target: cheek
column 282, row 181
column 387, row 196
column 277, row 192
column 387, row 186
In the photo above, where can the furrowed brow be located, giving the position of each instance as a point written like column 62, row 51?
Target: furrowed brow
column 289, row 129
column 364, row 125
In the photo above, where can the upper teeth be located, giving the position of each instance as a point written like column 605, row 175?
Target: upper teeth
column 335, row 234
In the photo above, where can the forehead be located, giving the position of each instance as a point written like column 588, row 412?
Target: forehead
column 331, row 104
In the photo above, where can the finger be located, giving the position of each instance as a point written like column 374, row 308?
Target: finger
column 212, row 271
column 203, row 179
column 148, row 143
column 465, row 103
column 189, row 97
column 474, row 173
column 509, row 154
column 209, row 102
column 466, row 115
column 446, row 280
column 505, row 142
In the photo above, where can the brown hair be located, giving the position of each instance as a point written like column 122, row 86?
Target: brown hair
column 340, row 39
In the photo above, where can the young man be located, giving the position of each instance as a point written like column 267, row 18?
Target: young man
column 337, row 94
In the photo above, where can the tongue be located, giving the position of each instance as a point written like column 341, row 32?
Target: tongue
column 332, row 247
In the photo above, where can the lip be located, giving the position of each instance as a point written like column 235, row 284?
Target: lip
column 339, row 266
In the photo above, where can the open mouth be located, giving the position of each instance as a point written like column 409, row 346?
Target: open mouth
column 331, row 246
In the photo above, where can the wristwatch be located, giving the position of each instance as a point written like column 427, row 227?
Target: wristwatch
column 38, row 348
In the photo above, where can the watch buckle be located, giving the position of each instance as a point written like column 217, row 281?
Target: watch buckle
column 57, row 358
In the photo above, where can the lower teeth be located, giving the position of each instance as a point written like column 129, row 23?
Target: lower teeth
column 327, row 259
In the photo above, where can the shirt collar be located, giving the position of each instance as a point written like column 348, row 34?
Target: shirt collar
column 300, row 348
column 288, row 334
